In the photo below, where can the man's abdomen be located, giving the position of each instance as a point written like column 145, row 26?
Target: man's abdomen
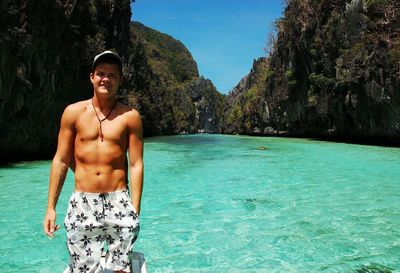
column 99, row 179
column 99, row 169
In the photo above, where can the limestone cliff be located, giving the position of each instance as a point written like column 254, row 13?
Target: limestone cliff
column 208, row 105
column 245, row 110
column 334, row 72
column 163, row 81
column 46, row 51
column 45, row 56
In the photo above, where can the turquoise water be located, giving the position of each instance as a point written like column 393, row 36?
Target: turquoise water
column 215, row 203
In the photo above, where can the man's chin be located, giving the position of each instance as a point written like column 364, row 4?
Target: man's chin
column 104, row 91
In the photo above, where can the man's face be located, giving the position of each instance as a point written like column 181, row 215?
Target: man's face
column 106, row 79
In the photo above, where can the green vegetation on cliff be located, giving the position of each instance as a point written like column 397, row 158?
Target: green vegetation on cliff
column 168, row 57
column 164, row 80
column 335, row 72
column 244, row 109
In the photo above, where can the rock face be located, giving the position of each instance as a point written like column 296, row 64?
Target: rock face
column 46, row 49
column 334, row 72
column 245, row 109
column 208, row 104
column 163, row 83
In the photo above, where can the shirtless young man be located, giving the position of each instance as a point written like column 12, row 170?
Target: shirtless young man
column 94, row 137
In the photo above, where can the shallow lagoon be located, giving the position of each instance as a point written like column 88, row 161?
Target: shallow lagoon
column 216, row 203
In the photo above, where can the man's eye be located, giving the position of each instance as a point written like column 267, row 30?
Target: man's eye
column 100, row 74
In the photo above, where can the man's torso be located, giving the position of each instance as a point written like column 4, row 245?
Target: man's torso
column 100, row 164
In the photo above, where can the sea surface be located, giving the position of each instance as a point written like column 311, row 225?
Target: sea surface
column 217, row 203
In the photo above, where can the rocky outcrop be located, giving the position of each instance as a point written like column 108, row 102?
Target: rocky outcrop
column 208, row 104
column 334, row 72
column 245, row 110
column 46, row 51
column 163, row 83
column 46, row 48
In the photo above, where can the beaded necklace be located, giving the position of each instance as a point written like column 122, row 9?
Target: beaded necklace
column 101, row 120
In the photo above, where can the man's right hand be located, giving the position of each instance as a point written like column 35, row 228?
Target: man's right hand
column 49, row 223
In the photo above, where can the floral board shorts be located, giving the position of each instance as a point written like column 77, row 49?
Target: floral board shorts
column 94, row 219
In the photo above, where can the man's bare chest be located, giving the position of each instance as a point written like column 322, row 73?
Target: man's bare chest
column 113, row 129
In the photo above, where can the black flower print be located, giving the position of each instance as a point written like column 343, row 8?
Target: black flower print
column 98, row 215
column 110, row 239
column 108, row 206
column 81, row 217
column 124, row 202
column 89, row 252
column 119, row 215
column 89, row 227
column 73, row 203
column 98, row 238
column 117, row 229
column 83, row 269
column 73, row 226
column 133, row 214
column 70, row 242
column 85, row 240
column 117, row 253
column 125, row 264
column 132, row 229
column 87, row 219
column 113, row 260
column 75, row 257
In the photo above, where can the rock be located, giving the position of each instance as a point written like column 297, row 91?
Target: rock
column 208, row 104
column 46, row 50
column 333, row 73
column 164, row 80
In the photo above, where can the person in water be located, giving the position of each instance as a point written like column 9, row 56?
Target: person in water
column 94, row 137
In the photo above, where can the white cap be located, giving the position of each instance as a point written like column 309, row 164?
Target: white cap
column 109, row 55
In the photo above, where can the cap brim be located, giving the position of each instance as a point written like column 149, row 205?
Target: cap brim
column 107, row 55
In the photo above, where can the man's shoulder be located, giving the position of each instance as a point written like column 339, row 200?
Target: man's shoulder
column 77, row 106
column 128, row 111
column 131, row 116
column 75, row 109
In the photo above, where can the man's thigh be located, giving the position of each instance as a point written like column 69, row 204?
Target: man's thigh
column 122, row 224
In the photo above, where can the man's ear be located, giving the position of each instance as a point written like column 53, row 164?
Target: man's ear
column 91, row 76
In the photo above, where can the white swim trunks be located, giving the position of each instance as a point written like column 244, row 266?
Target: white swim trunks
column 94, row 219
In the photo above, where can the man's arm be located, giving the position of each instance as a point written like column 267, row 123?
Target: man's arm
column 59, row 168
column 135, row 151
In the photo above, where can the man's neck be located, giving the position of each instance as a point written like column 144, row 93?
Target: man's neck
column 103, row 103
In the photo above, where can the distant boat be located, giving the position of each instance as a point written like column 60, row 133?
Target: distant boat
column 138, row 263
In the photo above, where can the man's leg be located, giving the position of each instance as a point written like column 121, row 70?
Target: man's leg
column 84, row 235
column 85, row 253
column 122, row 230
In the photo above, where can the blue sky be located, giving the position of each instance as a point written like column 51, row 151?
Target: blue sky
column 224, row 36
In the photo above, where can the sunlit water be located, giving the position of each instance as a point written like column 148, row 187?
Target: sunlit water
column 214, row 203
